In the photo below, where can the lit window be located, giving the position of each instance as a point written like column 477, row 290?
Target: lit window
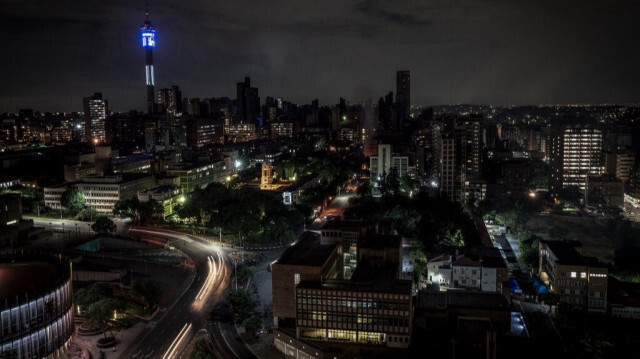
column 573, row 274
column 296, row 278
column 583, row 275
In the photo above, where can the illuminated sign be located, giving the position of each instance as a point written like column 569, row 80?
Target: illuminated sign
column 148, row 38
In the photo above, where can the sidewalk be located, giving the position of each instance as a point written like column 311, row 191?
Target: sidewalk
column 125, row 338
column 261, row 287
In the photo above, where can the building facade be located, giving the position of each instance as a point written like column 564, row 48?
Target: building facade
column 95, row 113
column 316, row 308
column 576, row 152
column 36, row 307
column 580, row 282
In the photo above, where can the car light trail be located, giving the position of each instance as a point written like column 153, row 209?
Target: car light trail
column 176, row 342
column 207, row 282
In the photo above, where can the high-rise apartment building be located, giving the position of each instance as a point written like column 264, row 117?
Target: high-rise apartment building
column 460, row 152
column 170, row 100
column 95, row 114
column 576, row 152
column 403, row 94
column 248, row 102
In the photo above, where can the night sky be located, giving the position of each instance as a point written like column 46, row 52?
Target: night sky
column 458, row 51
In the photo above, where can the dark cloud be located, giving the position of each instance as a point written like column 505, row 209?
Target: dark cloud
column 472, row 51
column 374, row 8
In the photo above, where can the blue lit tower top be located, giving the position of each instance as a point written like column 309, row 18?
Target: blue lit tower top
column 148, row 35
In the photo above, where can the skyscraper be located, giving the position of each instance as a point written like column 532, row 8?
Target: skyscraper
column 95, row 113
column 148, row 34
column 248, row 102
column 403, row 94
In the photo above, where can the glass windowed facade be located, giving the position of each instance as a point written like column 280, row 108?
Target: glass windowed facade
column 38, row 324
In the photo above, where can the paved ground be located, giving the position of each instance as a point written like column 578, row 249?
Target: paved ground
column 261, row 289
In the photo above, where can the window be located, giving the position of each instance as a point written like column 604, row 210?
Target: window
column 583, row 275
column 573, row 274
column 296, row 278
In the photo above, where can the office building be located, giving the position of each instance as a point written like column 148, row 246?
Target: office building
column 319, row 314
column 194, row 176
column 95, row 113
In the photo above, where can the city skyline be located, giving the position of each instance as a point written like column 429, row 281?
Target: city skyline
column 465, row 52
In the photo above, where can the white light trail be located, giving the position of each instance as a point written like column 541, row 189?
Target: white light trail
column 176, row 342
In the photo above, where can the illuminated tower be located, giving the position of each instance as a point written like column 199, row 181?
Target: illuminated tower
column 148, row 34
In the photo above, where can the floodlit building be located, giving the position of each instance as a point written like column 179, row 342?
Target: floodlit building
column 481, row 269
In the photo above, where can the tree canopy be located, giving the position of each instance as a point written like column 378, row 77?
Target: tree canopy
column 104, row 225
column 72, row 199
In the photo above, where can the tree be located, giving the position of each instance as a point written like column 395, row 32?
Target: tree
column 101, row 314
column 87, row 214
column 252, row 324
column 364, row 190
column 571, row 194
column 529, row 251
column 242, row 303
column 72, row 199
column 104, row 225
column 147, row 289
column 201, row 350
column 419, row 260
column 91, row 294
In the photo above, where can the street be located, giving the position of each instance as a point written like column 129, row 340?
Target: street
column 168, row 336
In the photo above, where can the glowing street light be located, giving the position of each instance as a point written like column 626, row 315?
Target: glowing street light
column 182, row 199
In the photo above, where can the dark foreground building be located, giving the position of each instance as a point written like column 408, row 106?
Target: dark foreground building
column 318, row 313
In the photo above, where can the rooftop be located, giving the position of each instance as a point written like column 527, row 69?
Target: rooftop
column 367, row 279
column 17, row 278
column 307, row 251
column 460, row 298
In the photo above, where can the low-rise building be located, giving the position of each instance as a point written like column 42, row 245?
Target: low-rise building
column 580, row 282
column 474, row 268
column 167, row 196
column 195, row 176
column 102, row 192
column 291, row 195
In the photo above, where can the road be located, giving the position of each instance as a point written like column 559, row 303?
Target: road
column 168, row 336
column 336, row 209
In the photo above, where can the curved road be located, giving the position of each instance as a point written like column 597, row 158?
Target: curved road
column 170, row 333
